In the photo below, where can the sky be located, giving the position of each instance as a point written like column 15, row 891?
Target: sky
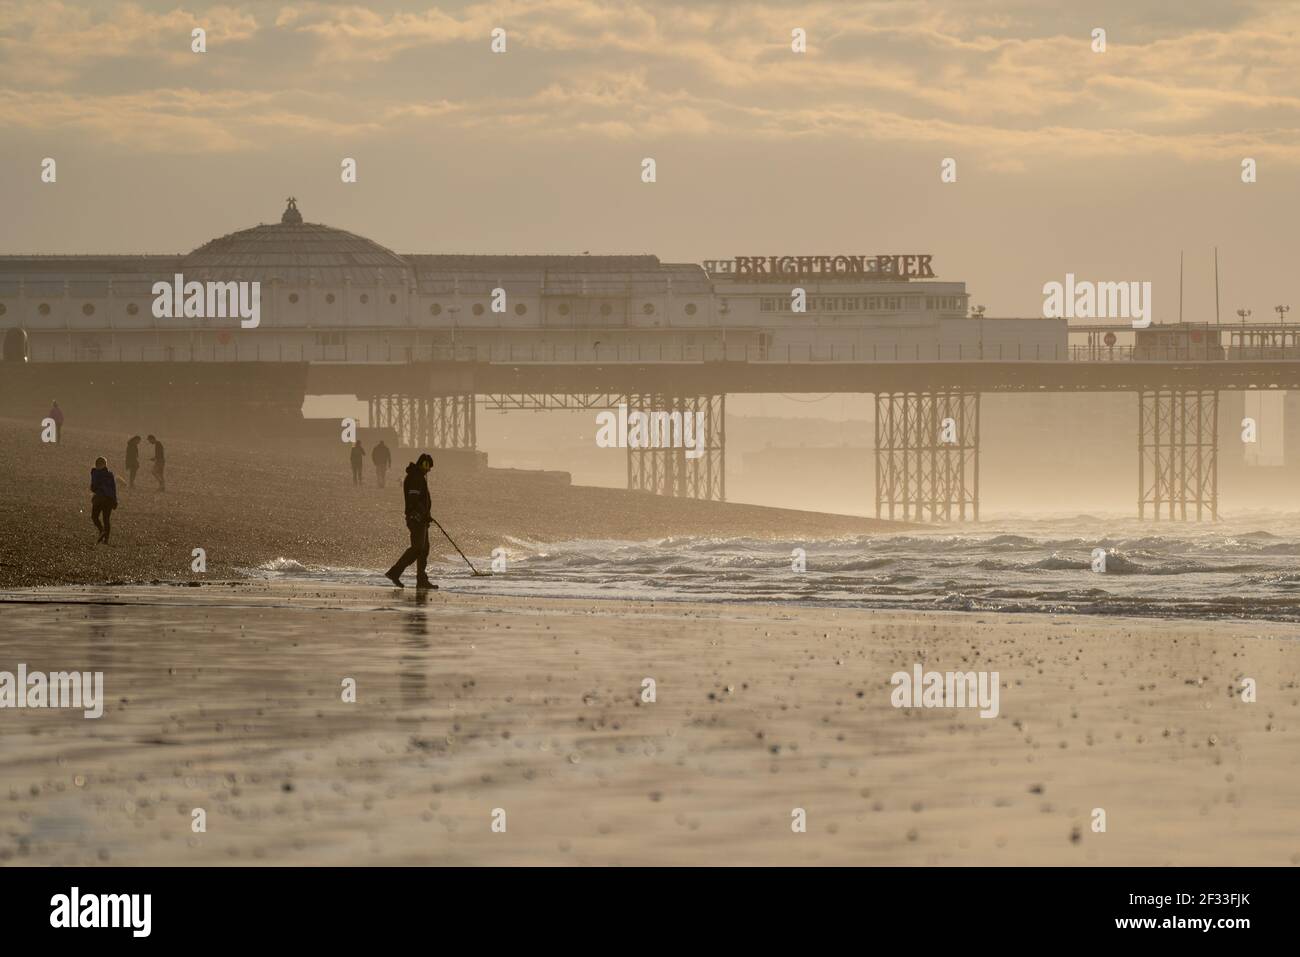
column 1103, row 164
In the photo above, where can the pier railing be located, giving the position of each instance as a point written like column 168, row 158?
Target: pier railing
column 793, row 353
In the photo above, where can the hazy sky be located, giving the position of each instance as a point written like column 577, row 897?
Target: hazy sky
column 1101, row 164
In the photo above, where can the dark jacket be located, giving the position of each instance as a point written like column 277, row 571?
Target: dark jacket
column 358, row 455
column 381, row 456
column 132, row 455
column 415, row 495
column 103, row 483
column 158, row 456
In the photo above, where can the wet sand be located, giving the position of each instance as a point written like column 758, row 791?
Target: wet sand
column 228, row 698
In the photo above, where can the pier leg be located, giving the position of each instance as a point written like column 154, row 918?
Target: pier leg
column 664, row 467
column 1178, row 454
column 427, row 422
column 927, row 456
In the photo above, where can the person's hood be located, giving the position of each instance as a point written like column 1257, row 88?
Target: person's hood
column 412, row 467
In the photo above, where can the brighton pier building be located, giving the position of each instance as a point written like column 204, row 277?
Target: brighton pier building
column 231, row 337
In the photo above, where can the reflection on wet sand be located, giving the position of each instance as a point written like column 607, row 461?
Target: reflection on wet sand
column 228, row 698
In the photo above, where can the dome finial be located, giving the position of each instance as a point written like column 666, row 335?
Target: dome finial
column 291, row 214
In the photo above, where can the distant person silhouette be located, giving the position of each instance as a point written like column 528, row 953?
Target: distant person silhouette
column 417, row 504
column 381, row 458
column 132, row 458
column 103, row 498
column 159, row 463
column 358, row 460
column 57, row 415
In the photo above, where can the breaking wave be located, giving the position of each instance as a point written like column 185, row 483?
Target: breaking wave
column 1031, row 565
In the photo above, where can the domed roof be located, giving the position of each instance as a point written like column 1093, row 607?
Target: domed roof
column 293, row 251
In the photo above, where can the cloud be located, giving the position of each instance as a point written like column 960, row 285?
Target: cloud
column 1012, row 79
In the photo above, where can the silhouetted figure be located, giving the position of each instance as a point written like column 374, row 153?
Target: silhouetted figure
column 57, row 415
column 358, row 460
column 132, row 458
column 159, row 463
column 103, row 498
column 381, row 458
column 416, row 501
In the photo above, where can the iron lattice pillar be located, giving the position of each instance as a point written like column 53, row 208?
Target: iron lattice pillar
column 1178, row 454
column 927, row 456
column 427, row 422
column 680, row 460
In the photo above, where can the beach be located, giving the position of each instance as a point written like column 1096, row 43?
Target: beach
column 472, row 709
column 248, row 506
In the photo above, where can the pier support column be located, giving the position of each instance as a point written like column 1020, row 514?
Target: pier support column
column 1178, row 454
column 427, row 422
column 666, row 463
column 927, row 456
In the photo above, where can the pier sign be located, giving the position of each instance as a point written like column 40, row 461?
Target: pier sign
column 781, row 268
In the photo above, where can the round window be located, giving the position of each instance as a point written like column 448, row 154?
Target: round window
column 520, row 309
column 293, row 297
column 435, row 309
column 563, row 309
column 132, row 309
column 606, row 309
column 392, row 298
column 648, row 308
column 364, row 299
column 478, row 308
column 43, row 309
column 329, row 297
column 88, row 309
column 690, row 309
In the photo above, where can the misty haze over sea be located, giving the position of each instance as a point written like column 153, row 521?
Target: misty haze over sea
column 1248, row 568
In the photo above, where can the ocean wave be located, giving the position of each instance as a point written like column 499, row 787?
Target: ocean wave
column 1038, row 566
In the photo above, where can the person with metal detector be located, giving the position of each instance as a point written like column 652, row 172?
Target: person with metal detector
column 416, row 502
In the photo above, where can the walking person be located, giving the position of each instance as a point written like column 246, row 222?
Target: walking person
column 159, row 463
column 358, row 460
column 418, row 506
column 57, row 415
column 381, row 458
column 132, row 458
column 103, row 498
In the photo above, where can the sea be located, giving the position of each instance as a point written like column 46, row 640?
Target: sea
column 1244, row 568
